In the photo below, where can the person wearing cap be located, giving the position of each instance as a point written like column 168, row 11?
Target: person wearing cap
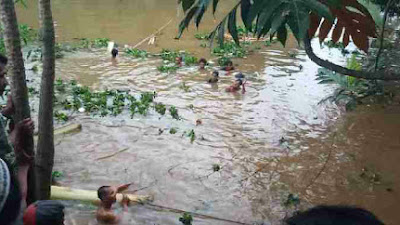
column 108, row 196
column 47, row 212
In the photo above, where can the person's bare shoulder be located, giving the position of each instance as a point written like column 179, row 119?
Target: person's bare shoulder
column 106, row 216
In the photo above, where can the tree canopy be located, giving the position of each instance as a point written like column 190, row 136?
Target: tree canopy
column 345, row 19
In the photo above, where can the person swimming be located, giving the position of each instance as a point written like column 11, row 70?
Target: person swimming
column 214, row 78
column 228, row 66
column 238, row 84
column 202, row 63
column 108, row 196
column 114, row 53
column 179, row 61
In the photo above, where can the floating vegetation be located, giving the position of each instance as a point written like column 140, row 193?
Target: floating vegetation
column 174, row 113
column 137, row 53
column 173, row 131
column 292, row 200
column 223, row 61
column 167, row 68
column 192, row 136
column 184, row 87
column 202, row 36
column 60, row 116
column 186, row 219
column 216, row 167
column 230, row 49
column 73, row 97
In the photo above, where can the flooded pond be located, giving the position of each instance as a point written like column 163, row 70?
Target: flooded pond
column 271, row 141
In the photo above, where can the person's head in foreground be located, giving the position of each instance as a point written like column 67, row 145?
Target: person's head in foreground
column 3, row 72
column 114, row 52
column 202, row 63
column 44, row 213
column 334, row 215
column 10, row 197
column 107, row 194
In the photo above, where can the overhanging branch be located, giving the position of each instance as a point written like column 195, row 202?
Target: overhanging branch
column 377, row 75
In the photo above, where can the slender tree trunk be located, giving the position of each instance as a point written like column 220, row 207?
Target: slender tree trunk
column 45, row 147
column 19, row 90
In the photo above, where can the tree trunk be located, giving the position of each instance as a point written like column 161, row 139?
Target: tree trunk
column 376, row 75
column 45, row 147
column 19, row 90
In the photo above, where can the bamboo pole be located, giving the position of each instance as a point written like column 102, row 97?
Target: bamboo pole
column 66, row 193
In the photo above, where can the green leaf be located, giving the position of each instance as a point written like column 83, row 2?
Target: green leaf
column 319, row 8
column 245, row 9
column 185, row 22
column 186, row 4
column 265, row 18
column 326, row 82
column 232, row 26
column 221, row 32
column 279, row 19
column 215, row 4
column 256, row 9
column 298, row 20
column 282, row 34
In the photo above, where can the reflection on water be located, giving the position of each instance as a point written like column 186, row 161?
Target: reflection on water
column 270, row 141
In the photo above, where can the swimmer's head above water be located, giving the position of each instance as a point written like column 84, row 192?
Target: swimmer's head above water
column 202, row 63
column 114, row 53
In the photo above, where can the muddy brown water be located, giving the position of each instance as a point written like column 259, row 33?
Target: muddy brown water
column 357, row 151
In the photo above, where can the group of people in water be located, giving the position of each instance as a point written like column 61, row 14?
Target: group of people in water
column 239, row 83
column 229, row 68
column 14, row 181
